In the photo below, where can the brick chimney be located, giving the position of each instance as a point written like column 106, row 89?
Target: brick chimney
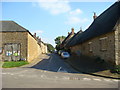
column 72, row 30
column 40, row 39
column 68, row 33
column 80, row 30
column 34, row 35
column 95, row 16
column 37, row 37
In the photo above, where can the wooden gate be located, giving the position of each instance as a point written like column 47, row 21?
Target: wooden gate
column 12, row 52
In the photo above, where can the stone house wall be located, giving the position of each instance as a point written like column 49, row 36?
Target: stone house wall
column 117, row 43
column 29, row 48
column 102, row 46
column 15, row 37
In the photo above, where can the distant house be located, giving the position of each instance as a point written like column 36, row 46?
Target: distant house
column 17, row 43
column 66, row 40
column 43, row 46
column 102, row 38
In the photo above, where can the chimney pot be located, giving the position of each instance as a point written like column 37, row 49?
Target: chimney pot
column 37, row 37
column 34, row 34
column 68, row 33
column 72, row 30
column 95, row 16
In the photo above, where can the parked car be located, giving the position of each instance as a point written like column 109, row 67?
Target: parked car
column 65, row 55
column 60, row 51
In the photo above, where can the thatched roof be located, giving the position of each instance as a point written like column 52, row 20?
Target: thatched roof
column 103, row 24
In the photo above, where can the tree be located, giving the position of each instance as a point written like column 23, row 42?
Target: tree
column 50, row 48
column 58, row 41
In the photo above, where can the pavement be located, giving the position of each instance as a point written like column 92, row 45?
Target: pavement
column 90, row 66
column 37, row 60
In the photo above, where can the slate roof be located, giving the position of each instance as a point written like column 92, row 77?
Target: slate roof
column 103, row 24
column 11, row 26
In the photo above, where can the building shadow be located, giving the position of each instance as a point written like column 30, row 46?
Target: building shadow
column 54, row 65
column 89, row 65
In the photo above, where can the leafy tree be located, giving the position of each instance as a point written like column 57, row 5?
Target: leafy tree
column 50, row 48
column 59, row 39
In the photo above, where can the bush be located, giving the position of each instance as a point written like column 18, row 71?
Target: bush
column 116, row 69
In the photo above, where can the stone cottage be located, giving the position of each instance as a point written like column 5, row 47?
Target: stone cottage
column 102, row 38
column 66, row 40
column 17, row 43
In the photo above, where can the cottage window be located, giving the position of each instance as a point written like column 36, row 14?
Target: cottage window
column 90, row 46
column 103, row 44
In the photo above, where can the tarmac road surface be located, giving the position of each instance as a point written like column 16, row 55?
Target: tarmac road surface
column 52, row 72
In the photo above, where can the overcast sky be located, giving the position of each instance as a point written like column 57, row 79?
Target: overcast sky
column 52, row 19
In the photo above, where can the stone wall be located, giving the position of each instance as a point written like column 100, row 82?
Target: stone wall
column 34, row 49
column 102, row 46
column 43, row 47
column 15, row 37
column 117, row 43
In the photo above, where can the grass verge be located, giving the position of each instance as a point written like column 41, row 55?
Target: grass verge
column 10, row 64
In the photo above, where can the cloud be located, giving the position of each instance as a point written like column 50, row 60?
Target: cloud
column 55, row 7
column 75, row 20
column 76, row 12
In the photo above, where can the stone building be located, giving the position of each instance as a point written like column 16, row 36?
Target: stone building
column 66, row 40
column 102, row 38
column 17, row 43
column 43, row 46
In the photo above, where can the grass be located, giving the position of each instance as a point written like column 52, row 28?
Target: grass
column 10, row 64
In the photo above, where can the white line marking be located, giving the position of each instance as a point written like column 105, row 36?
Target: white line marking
column 66, row 78
column 50, row 59
column 96, row 79
column 108, row 80
column 43, row 76
column 11, row 74
column 56, row 77
column 88, row 79
column 59, row 69
column 116, row 80
column 4, row 73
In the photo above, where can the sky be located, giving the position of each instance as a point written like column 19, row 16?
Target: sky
column 52, row 19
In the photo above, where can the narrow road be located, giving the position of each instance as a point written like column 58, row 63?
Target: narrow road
column 52, row 73
column 55, row 64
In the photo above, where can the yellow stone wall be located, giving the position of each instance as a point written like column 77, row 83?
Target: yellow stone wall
column 34, row 49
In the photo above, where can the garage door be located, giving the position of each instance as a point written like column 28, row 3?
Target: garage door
column 12, row 52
